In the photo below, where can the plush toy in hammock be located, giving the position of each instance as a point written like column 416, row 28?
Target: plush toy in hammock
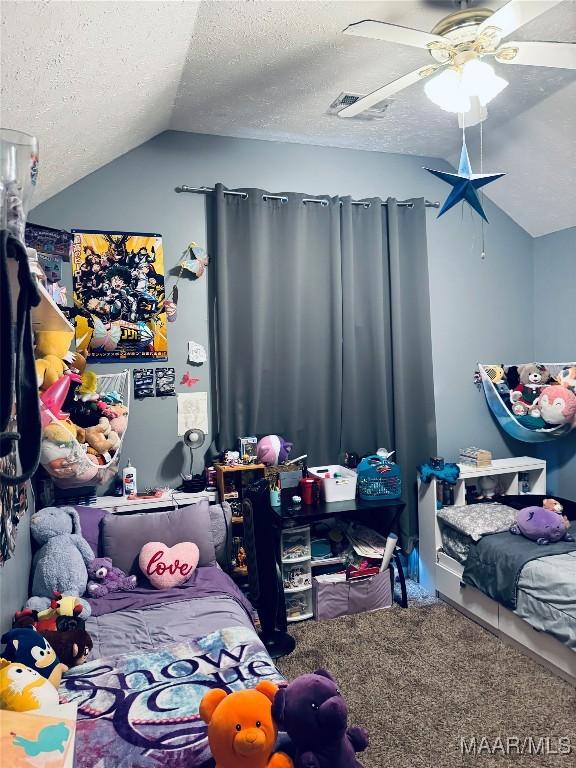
column 544, row 525
column 241, row 731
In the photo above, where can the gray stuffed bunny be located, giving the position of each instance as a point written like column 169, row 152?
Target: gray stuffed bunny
column 60, row 563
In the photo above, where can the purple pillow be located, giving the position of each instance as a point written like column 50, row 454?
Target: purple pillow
column 90, row 518
column 123, row 536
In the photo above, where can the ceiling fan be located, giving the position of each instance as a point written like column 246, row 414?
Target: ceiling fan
column 462, row 82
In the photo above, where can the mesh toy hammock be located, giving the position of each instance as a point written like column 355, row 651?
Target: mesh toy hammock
column 493, row 378
column 67, row 462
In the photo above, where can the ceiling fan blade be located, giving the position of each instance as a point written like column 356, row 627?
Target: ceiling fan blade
column 387, row 90
column 535, row 54
column 515, row 14
column 392, row 33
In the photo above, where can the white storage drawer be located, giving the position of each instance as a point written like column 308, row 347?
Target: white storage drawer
column 469, row 598
column 296, row 576
column 299, row 605
column 296, row 544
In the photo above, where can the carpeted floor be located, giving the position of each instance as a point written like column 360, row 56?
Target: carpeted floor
column 422, row 678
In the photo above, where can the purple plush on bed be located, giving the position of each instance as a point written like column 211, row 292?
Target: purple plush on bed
column 207, row 581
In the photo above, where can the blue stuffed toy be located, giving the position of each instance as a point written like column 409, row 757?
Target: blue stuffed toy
column 26, row 646
column 449, row 473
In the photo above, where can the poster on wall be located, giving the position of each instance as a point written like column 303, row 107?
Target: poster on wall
column 118, row 282
column 52, row 246
column 49, row 241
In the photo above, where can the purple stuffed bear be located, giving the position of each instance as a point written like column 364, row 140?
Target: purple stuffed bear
column 313, row 712
column 542, row 525
column 104, row 577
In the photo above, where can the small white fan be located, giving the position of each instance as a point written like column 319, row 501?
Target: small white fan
column 193, row 438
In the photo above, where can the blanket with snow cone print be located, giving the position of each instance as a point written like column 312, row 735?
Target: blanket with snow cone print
column 142, row 710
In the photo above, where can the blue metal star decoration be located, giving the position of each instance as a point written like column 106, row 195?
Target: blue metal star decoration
column 464, row 184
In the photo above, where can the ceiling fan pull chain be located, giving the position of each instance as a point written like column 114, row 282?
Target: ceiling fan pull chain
column 481, row 149
column 483, row 254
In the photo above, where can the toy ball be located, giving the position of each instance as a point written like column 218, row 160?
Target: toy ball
column 557, row 404
column 272, row 450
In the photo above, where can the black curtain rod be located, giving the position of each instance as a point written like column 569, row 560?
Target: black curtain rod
column 284, row 199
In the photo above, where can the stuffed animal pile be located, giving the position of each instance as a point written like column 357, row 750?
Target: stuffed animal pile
column 540, row 400
column 67, row 635
column 82, row 428
column 49, row 636
column 243, row 726
column 33, row 662
column 30, row 671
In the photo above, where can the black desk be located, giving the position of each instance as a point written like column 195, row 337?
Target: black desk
column 380, row 515
column 268, row 523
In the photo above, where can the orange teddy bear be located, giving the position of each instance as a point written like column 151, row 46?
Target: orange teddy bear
column 241, row 731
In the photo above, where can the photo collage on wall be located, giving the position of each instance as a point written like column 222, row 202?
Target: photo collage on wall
column 119, row 296
column 150, row 382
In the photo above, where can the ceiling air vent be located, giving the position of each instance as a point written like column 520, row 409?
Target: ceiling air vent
column 346, row 99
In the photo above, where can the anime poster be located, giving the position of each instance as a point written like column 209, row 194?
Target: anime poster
column 119, row 296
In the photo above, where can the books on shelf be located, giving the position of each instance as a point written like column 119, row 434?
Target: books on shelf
column 475, row 457
column 366, row 541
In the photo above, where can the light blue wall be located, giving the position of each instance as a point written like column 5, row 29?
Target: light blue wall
column 555, row 337
column 14, row 576
column 478, row 305
column 472, row 299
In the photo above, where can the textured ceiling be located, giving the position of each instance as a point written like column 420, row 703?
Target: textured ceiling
column 91, row 80
column 112, row 74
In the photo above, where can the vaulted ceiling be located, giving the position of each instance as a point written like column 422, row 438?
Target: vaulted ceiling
column 94, row 79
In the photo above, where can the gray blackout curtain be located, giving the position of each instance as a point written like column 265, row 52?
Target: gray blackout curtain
column 321, row 319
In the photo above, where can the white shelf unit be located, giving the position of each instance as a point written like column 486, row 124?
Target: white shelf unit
column 170, row 500
column 296, row 555
column 505, row 470
column 441, row 574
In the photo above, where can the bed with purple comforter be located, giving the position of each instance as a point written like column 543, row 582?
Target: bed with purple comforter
column 156, row 653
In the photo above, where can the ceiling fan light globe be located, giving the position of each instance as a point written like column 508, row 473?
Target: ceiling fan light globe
column 479, row 79
column 445, row 90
